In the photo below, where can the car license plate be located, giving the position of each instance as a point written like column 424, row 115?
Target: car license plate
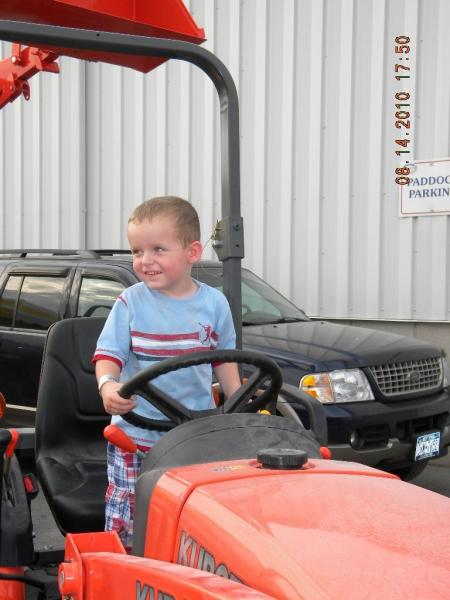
column 427, row 445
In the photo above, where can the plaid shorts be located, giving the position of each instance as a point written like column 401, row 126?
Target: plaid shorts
column 123, row 469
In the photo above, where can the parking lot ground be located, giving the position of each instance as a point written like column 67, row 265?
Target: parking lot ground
column 436, row 477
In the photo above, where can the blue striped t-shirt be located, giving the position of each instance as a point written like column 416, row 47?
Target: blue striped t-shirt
column 145, row 326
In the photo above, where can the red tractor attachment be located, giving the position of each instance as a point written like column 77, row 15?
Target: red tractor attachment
column 17, row 69
column 156, row 18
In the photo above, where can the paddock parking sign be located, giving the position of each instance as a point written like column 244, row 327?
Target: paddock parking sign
column 428, row 190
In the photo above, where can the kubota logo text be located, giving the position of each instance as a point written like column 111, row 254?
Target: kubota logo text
column 147, row 592
column 191, row 554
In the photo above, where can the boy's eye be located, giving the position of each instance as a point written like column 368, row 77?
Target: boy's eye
column 159, row 249
column 136, row 252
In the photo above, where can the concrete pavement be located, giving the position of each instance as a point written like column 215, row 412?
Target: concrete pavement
column 436, row 477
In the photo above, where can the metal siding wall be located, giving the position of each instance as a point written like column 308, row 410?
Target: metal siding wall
column 42, row 162
column 253, row 110
column 309, row 83
column 316, row 86
column 279, row 144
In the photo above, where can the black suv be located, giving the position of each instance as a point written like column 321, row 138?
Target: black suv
column 386, row 396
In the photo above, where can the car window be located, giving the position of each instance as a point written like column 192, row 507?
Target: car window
column 39, row 301
column 97, row 296
column 260, row 302
column 9, row 299
column 253, row 300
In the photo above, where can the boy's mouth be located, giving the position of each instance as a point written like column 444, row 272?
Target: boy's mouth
column 152, row 273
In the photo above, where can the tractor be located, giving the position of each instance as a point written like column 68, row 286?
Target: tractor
column 235, row 502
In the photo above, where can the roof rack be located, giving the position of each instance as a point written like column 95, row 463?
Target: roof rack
column 23, row 252
column 109, row 252
column 97, row 253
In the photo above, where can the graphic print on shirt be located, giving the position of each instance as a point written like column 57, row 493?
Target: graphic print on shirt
column 157, row 346
column 207, row 335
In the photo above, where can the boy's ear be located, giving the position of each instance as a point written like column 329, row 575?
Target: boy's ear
column 195, row 252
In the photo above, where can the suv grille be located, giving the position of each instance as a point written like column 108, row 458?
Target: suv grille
column 394, row 379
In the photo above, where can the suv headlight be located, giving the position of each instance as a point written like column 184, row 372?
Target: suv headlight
column 347, row 385
column 445, row 373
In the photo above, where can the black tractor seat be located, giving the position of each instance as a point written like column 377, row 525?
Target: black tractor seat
column 70, row 448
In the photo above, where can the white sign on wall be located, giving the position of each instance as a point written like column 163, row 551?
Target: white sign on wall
column 428, row 191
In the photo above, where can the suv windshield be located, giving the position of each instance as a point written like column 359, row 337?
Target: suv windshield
column 261, row 304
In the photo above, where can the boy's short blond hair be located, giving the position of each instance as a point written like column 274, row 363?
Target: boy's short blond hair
column 182, row 213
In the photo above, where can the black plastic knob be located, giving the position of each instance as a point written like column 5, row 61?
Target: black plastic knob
column 282, row 458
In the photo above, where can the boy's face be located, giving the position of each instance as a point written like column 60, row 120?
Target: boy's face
column 159, row 258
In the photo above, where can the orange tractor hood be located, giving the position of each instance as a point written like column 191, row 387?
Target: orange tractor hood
column 156, row 18
column 331, row 530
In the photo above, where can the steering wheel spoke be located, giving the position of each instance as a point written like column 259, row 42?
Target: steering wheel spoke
column 244, row 394
column 170, row 407
column 263, row 400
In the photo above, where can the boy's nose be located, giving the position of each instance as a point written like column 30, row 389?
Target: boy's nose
column 147, row 257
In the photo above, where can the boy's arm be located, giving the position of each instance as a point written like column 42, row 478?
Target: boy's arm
column 112, row 402
column 228, row 376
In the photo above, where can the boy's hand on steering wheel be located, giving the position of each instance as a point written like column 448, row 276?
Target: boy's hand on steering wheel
column 113, row 403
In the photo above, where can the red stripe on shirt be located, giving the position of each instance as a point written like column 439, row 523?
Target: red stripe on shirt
column 177, row 352
column 166, row 337
column 113, row 359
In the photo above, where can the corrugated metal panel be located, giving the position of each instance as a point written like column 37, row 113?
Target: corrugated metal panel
column 316, row 86
column 42, row 162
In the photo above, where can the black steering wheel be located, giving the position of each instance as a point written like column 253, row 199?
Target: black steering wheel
column 176, row 413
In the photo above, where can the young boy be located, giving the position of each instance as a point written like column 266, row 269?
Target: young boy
column 167, row 314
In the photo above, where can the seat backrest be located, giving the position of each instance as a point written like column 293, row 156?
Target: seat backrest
column 70, row 448
column 70, row 415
